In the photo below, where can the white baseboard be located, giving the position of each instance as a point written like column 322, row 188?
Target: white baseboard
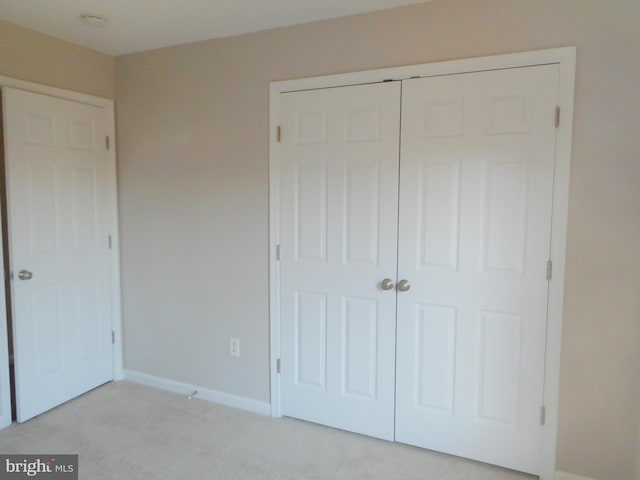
column 235, row 401
column 570, row 476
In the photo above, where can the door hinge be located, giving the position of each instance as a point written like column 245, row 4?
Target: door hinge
column 107, row 141
column 278, row 366
column 279, row 134
column 549, row 269
column 543, row 415
column 110, row 243
column 557, row 117
column 278, row 252
column 113, row 337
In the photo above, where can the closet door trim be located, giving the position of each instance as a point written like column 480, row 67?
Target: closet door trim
column 566, row 58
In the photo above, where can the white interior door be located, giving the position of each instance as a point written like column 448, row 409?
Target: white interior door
column 475, row 217
column 59, row 251
column 339, row 198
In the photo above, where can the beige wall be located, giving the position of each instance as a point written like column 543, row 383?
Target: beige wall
column 38, row 58
column 193, row 172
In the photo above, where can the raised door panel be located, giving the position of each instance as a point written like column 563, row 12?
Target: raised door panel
column 311, row 212
column 47, row 331
column 439, row 191
column 360, row 345
column 41, row 201
column 505, row 216
column 310, row 359
column 88, row 317
column 499, row 367
column 84, row 211
column 435, row 350
column 361, row 214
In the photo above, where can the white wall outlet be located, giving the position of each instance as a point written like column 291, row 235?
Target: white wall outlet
column 234, row 347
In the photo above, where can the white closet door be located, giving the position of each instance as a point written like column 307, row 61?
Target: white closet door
column 60, row 258
column 475, row 214
column 339, row 200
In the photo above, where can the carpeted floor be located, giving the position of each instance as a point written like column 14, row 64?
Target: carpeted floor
column 127, row 431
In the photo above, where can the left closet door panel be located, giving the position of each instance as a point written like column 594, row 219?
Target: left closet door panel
column 339, row 207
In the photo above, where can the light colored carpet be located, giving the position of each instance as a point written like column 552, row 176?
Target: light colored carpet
column 127, row 431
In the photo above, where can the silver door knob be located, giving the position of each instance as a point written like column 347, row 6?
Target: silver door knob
column 386, row 284
column 25, row 275
column 404, row 285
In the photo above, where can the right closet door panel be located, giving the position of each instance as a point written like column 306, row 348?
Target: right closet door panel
column 476, row 185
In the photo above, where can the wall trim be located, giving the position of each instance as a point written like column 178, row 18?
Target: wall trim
column 214, row 396
column 54, row 91
column 5, row 386
column 570, row 476
column 565, row 57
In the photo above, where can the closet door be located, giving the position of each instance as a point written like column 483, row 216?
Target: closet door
column 476, row 187
column 339, row 207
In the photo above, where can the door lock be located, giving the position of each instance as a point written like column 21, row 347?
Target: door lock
column 387, row 284
column 25, row 275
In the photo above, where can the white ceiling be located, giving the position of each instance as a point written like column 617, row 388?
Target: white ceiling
column 137, row 25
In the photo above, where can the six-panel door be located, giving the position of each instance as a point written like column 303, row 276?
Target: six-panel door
column 58, row 217
column 339, row 206
column 476, row 182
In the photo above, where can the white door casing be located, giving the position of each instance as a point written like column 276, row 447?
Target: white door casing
column 475, row 225
column 5, row 385
column 59, row 215
column 339, row 177
column 564, row 58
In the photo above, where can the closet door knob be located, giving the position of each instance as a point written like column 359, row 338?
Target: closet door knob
column 25, row 275
column 386, row 284
column 404, row 285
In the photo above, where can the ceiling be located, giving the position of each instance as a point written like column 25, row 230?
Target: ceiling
column 138, row 25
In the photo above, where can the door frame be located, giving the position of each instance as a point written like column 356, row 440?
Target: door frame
column 116, row 317
column 565, row 57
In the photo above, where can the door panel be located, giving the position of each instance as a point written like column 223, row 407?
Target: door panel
column 58, row 215
column 360, row 334
column 435, row 357
column 475, row 216
column 440, row 198
column 339, row 200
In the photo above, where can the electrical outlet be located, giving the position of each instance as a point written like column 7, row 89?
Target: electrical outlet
column 234, row 347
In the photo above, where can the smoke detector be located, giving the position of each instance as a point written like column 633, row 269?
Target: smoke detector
column 93, row 20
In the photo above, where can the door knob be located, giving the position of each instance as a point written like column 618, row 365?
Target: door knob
column 404, row 285
column 386, row 284
column 25, row 275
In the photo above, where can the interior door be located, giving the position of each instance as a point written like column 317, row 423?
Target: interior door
column 57, row 196
column 475, row 218
column 339, row 200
